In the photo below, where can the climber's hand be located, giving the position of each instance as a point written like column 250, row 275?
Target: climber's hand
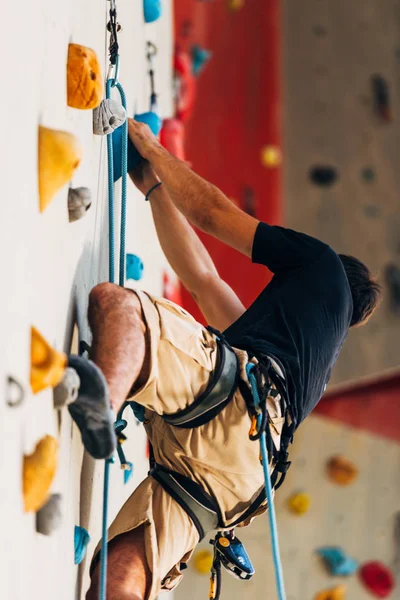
column 142, row 138
column 143, row 177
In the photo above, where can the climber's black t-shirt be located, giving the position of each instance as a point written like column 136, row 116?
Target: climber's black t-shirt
column 303, row 315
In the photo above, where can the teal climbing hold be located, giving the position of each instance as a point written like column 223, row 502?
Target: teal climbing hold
column 200, row 57
column 153, row 121
column 152, row 10
column 337, row 561
column 81, row 540
column 134, row 267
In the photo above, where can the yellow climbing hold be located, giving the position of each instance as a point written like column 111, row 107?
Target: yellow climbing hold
column 271, row 156
column 47, row 365
column 38, row 473
column 60, row 154
column 336, row 593
column 203, row 560
column 299, row 503
column 235, row 5
column 84, row 78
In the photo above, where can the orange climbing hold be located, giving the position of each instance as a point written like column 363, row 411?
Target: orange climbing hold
column 336, row 593
column 38, row 473
column 341, row 470
column 84, row 78
column 47, row 365
column 60, row 154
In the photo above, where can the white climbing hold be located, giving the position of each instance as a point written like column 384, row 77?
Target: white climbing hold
column 49, row 517
column 79, row 201
column 67, row 391
column 108, row 116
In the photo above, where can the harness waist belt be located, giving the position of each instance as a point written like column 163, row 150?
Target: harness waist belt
column 217, row 395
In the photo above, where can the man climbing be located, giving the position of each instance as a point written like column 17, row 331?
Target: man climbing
column 154, row 353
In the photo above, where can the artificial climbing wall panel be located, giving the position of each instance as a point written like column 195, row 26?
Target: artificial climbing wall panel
column 331, row 51
column 49, row 266
column 360, row 518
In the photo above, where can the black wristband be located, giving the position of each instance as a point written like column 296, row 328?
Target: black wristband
column 152, row 190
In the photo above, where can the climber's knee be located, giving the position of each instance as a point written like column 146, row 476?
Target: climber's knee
column 105, row 297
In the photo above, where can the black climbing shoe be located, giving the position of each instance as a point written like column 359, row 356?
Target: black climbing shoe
column 91, row 411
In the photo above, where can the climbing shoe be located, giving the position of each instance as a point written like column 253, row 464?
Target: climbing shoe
column 91, row 410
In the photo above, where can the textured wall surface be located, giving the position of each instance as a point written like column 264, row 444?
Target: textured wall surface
column 331, row 52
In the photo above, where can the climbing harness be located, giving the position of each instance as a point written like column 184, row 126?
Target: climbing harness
column 202, row 508
column 216, row 396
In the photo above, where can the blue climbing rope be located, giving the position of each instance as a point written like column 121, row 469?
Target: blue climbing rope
column 111, row 195
column 111, row 83
column 268, row 487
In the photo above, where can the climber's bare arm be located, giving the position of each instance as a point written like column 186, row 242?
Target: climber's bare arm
column 201, row 202
column 188, row 256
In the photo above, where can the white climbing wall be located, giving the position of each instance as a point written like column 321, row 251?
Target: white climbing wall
column 360, row 518
column 50, row 265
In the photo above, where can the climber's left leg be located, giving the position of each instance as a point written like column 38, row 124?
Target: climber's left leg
column 119, row 339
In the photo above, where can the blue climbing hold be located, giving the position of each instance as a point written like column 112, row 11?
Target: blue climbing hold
column 153, row 121
column 134, row 267
column 337, row 561
column 200, row 56
column 81, row 540
column 152, row 10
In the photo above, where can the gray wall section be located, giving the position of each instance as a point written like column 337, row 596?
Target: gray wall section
column 331, row 50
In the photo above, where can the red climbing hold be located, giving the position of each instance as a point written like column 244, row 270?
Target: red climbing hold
column 185, row 85
column 172, row 136
column 172, row 287
column 377, row 578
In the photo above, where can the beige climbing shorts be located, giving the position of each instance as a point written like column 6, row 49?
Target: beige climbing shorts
column 218, row 455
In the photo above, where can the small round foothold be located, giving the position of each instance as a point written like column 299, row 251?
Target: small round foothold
column 67, row 391
column 134, row 267
column 368, row 174
column 203, row 560
column 341, row 470
column 336, row 593
column 81, row 540
column 271, row 156
column 79, row 202
column 377, row 578
column 49, row 517
column 108, row 116
column 323, row 175
column 235, row 5
column 152, row 10
column 299, row 503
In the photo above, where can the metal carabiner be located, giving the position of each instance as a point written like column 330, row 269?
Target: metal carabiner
column 114, row 69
